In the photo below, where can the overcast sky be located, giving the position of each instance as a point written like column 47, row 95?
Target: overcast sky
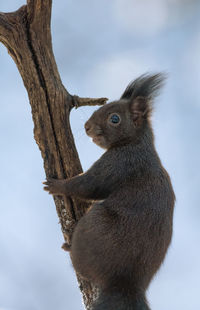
column 100, row 46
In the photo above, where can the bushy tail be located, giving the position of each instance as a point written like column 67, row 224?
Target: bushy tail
column 120, row 302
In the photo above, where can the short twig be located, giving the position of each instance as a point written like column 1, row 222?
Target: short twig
column 79, row 102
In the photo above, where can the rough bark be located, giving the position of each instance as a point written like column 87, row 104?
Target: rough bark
column 27, row 36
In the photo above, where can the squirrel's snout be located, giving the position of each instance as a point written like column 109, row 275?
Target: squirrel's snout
column 87, row 127
column 92, row 129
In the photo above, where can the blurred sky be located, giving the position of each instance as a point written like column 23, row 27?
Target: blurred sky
column 100, row 46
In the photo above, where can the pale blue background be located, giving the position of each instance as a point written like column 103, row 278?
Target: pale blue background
column 99, row 47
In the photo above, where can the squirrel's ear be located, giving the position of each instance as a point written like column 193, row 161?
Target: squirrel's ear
column 140, row 109
column 141, row 93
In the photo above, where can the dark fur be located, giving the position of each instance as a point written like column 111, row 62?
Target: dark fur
column 121, row 242
column 146, row 86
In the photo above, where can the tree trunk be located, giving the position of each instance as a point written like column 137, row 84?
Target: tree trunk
column 26, row 34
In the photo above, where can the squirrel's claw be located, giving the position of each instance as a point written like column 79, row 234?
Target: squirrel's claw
column 46, row 188
column 49, row 181
column 66, row 247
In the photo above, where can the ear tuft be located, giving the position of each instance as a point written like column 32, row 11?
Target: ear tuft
column 146, row 85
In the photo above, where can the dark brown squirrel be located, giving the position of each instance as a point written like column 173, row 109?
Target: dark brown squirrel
column 123, row 239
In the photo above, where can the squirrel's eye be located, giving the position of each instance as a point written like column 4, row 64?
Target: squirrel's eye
column 114, row 119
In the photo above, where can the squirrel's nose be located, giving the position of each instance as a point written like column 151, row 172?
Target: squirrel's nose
column 87, row 127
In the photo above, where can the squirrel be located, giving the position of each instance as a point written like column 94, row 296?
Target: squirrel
column 120, row 243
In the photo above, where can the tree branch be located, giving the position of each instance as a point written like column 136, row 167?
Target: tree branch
column 80, row 102
column 27, row 36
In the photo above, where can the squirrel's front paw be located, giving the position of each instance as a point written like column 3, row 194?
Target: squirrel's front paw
column 55, row 187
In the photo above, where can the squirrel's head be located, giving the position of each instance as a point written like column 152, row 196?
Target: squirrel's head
column 123, row 121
